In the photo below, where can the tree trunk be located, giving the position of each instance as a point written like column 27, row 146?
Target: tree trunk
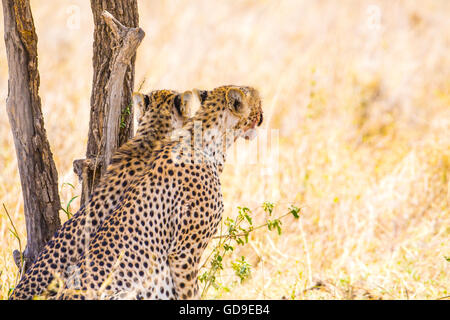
column 105, row 45
column 38, row 175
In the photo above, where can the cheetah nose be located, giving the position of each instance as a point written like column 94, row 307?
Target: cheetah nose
column 250, row 134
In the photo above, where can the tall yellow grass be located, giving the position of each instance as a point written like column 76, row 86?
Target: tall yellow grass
column 357, row 97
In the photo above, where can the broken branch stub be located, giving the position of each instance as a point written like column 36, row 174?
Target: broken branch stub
column 127, row 42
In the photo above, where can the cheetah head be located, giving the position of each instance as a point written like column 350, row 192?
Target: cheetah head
column 238, row 107
column 164, row 110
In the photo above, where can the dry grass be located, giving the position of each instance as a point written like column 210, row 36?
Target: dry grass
column 359, row 92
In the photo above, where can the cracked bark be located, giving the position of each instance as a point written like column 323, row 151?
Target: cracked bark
column 38, row 175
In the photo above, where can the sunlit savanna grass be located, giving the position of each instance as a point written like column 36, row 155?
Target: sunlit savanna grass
column 357, row 97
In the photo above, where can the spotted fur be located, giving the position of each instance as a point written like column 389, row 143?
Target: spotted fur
column 150, row 247
column 161, row 111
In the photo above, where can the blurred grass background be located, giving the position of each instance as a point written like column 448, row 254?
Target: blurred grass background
column 356, row 96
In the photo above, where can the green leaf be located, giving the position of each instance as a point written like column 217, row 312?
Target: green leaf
column 69, row 184
column 203, row 277
column 279, row 228
column 274, row 224
column 227, row 247
column 268, row 207
column 249, row 219
column 13, row 233
column 294, row 211
column 70, row 201
column 242, row 268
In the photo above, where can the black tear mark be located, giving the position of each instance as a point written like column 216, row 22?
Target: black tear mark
column 260, row 119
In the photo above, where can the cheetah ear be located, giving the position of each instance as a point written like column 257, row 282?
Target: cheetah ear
column 186, row 101
column 201, row 95
column 235, row 100
column 141, row 101
column 183, row 103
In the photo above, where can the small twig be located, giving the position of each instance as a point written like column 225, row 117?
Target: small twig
column 305, row 246
column 141, row 85
column 253, row 229
column 17, row 255
column 225, row 239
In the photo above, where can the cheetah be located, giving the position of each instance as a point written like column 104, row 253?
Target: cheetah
column 161, row 112
column 150, row 248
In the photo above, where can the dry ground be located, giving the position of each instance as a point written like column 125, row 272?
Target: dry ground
column 357, row 100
